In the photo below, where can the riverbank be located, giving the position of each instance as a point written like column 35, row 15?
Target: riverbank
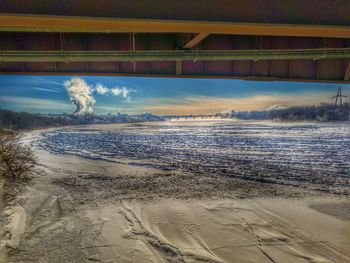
column 83, row 210
column 3, row 254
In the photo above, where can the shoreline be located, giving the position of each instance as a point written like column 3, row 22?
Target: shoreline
column 3, row 254
column 83, row 210
column 274, row 121
column 313, row 177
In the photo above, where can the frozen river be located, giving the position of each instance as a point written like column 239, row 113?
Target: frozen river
column 312, row 153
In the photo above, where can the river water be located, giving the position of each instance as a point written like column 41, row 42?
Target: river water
column 298, row 153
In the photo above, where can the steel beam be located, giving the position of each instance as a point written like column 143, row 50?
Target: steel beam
column 44, row 23
column 178, row 68
column 248, row 78
column 347, row 72
column 172, row 55
column 194, row 41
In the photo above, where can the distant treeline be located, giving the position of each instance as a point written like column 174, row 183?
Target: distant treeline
column 24, row 120
column 323, row 112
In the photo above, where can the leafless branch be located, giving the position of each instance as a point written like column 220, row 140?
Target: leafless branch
column 16, row 159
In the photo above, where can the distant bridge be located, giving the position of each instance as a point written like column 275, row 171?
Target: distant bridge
column 196, row 117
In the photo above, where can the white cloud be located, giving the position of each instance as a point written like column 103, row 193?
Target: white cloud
column 35, row 103
column 81, row 94
column 123, row 92
column 47, row 90
column 101, row 89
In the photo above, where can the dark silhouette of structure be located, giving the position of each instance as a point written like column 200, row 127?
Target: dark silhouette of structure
column 339, row 97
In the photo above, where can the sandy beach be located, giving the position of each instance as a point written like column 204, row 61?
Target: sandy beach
column 84, row 210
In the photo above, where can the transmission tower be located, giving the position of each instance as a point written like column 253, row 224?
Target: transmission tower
column 339, row 97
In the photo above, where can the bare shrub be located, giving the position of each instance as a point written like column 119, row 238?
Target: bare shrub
column 16, row 159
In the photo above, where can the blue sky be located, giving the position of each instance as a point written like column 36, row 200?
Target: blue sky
column 48, row 94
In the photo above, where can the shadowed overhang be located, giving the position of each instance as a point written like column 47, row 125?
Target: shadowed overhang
column 265, row 40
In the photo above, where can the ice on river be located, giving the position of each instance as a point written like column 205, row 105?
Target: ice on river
column 316, row 153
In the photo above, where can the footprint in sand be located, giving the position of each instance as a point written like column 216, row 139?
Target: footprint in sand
column 45, row 215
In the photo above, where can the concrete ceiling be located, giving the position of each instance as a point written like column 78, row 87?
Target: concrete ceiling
column 265, row 40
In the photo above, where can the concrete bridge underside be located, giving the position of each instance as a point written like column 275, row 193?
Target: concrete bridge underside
column 305, row 40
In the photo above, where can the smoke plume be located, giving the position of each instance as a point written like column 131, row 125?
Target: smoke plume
column 275, row 107
column 80, row 95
